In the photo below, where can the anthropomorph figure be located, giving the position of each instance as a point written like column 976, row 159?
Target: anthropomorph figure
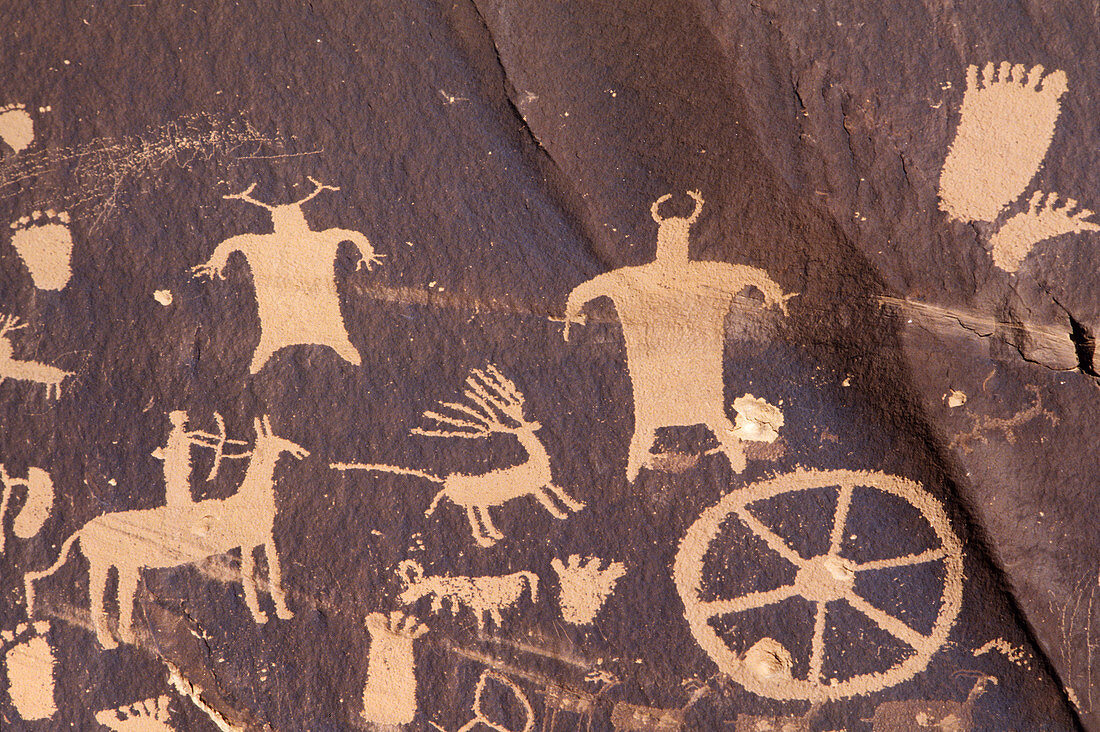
column 293, row 272
column 673, row 314
column 176, row 454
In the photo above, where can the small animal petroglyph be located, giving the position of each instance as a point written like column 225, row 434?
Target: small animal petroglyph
column 171, row 536
column 673, row 313
column 496, row 406
column 389, row 696
column 29, row 666
column 583, row 587
column 45, row 244
column 16, row 127
column 485, row 597
column 148, row 715
column 983, row 425
column 1005, row 127
column 36, row 505
column 1046, row 217
column 293, row 273
column 11, row 368
column 931, row 714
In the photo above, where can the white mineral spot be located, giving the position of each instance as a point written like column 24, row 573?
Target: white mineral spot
column 955, row 398
column 164, row 297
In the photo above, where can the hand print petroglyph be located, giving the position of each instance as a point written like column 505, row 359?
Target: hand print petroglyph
column 389, row 696
column 767, row 668
column 496, row 407
column 1005, row 127
column 38, row 500
column 172, row 536
column 148, row 715
column 673, row 313
column 293, row 271
column 16, row 127
column 45, row 244
column 1046, row 217
column 29, row 664
column 485, row 597
column 13, row 368
column 583, row 587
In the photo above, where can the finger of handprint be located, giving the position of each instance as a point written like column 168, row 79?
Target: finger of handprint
column 1002, row 73
column 1056, row 83
column 1035, row 76
column 971, row 77
column 1019, row 74
column 1034, row 202
column 1071, row 204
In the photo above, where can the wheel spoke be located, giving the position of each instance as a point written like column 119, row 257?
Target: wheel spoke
column 840, row 518
column 751, row 601
column 773, row 540
column 908, row 560
column 817, row 652
column 887, row 622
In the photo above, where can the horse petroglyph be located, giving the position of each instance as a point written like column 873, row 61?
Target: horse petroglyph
column 673, row 313
column 583, row 587
column 1005, row 128
column 45, row 244
column 389, row 696
column 171, row 536
column 12, row 368
column 293, row 271
column 1046, row 217
column 36, row 505
column 29, row 663
column 486, row 597
column 496, row 406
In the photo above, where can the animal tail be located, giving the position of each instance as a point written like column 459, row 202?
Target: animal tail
column 31, row 577
column 435, row 502
column 533, row 582
column 387, row 469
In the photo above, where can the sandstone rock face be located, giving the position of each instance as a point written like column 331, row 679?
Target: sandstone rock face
column 628, row 366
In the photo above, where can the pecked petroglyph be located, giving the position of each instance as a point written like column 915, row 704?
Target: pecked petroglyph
column 33, row 371
column 983, row 425
column 485, row 597
column 673, row 312
column 29, row 664
column 16, row 127
column 1006, row 124
column 1046, row 217
column 389, row 696
column 496, row 406
column 767, row 667
column 1017, row 655
column 45, row 245
column 171, row 536
column 177, row 457
column 931, row 714
column 38, row 501
column 293, row 271
column 483, row 716
column 583, row 587
column 147, row 715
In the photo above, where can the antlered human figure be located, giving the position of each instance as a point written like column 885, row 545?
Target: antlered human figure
column 293, row 272
column 673, row 314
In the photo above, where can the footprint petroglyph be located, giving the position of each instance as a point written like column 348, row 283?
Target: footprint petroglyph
column 583, row 587
column 1046, row 216
column 45, row 244
column 29, row 663
column 16, row 127
column 148, row 715
column 389, row 696
column 1006, row 124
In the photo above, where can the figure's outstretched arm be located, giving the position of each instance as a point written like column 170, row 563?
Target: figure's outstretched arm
column 215, row 266
column 758, row 278
column 367, row 256
column 582, row 294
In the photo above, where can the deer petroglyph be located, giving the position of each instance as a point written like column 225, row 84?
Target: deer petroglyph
column 12, row 368
column 673, row 313
column 496, row 406
column 185, row 533
column 485, row 597
column 293, row 273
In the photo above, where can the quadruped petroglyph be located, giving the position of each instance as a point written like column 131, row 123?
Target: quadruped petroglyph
column 185, row 533
column 13, row 368
column 45, row 244
column 767, row 667
column 38, row 496
column 583, row 587
column 1006, row 124
column 673, row 313
column 293, row 271
column 486, row 597
column 495, row 406
column 389, row 696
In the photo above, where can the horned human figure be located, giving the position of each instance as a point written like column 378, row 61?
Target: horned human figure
column 673, row 314
column 179, row 534
column 293, row 273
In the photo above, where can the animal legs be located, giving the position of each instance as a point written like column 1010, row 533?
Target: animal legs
column 275, row 577
column 248, row 583
column 482, row 512
column 562, row 496
column 127, row 595
column 543, row 497
column 97, row 587
column 730, row 442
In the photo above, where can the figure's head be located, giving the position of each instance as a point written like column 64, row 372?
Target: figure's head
column 177, row 418
column 673, row 231
column 288, row 217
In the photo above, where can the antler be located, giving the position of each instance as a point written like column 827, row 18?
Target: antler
column 10, row 323
column 246, row 196
column 495, row 399
column 320, row 187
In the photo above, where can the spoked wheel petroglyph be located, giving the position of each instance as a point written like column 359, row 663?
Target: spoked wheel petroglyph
column 825, row 582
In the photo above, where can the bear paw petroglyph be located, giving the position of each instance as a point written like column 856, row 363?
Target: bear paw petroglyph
column 16, row 127
column 1046, row 216
column 1006, row 123
column 29, row 666
column 45, row 243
